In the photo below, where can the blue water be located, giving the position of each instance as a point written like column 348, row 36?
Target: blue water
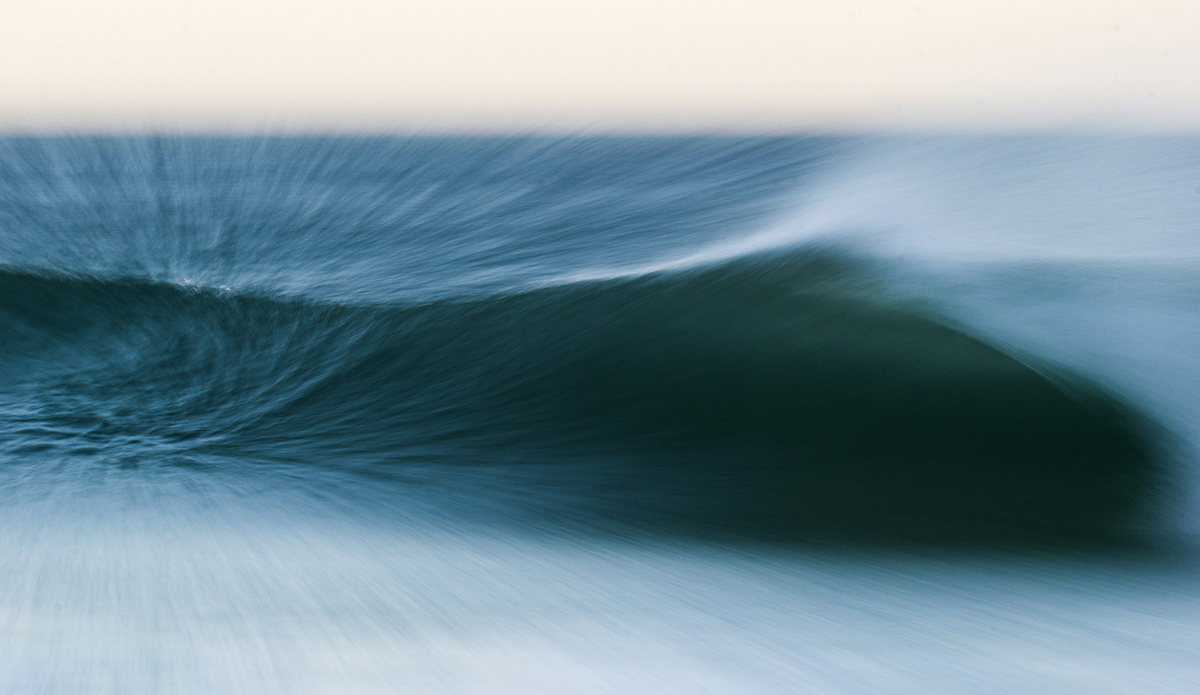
column 657, row 414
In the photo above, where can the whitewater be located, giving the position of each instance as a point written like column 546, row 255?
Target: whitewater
column 600, row 414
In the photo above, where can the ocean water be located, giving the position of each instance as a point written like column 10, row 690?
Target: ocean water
column 600, row 414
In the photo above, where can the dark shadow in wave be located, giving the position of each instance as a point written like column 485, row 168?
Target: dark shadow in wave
column 776, row 398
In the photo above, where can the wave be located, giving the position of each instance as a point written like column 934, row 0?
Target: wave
column 787, row 394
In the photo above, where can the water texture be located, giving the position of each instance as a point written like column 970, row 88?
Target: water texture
column 668, row 414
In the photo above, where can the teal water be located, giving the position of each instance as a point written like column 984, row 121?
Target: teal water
column 598, row 414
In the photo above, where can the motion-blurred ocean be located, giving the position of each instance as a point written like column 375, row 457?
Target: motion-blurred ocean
column 600, row 414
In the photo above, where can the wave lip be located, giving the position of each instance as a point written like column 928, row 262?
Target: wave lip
column 771, row 396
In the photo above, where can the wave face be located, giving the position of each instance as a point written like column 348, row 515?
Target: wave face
column 378, row 307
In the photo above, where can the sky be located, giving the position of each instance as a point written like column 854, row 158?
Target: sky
column 620, row 65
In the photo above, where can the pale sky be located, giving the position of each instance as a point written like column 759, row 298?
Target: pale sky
column 766, row 65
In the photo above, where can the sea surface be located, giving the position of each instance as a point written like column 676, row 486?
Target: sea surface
column 600, row 414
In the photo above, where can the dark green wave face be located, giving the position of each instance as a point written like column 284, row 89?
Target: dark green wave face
column 780, row 397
